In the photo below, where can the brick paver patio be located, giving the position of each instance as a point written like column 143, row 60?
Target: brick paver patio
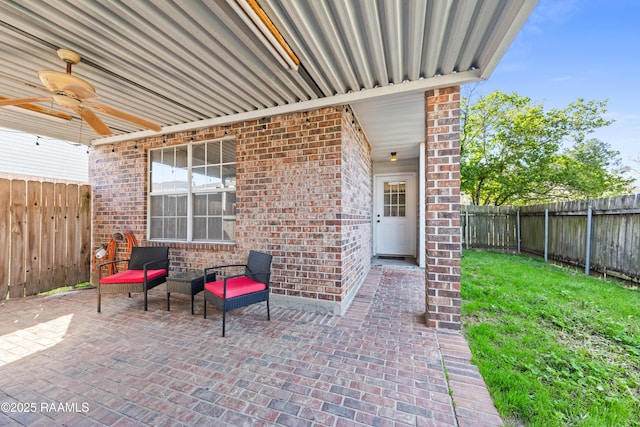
column 61, row 363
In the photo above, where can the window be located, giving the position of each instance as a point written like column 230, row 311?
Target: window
column 192, row 193
column 395, row 199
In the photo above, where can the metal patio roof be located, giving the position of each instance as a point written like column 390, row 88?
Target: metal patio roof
column 189, row 64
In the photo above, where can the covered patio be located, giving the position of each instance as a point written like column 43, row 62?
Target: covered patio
column 288, row 114
column 378, row 364
column 217, row 127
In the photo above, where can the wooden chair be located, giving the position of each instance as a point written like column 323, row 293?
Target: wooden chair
column 238, row 290
column 147, row 268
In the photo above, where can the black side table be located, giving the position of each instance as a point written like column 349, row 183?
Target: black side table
column 188, row 282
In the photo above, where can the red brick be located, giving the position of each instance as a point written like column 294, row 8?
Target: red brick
column 442, row 166
column 292, row 166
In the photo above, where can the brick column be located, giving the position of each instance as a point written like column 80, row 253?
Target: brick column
column 443, row 207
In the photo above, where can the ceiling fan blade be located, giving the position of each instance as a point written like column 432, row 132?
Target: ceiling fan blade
column 124, row 116
column 79, row 91
column 23, row 82
column 19, row 101
column 92, row 120
column 43, row 110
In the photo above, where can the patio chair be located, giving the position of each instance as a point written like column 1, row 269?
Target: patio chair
column 147, row 268
column 238, row 290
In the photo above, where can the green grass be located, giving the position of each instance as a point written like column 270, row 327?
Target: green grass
column 555, row 347
column 67, row 288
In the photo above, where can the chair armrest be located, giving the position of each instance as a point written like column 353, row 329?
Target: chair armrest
column 218, row 267
column 112, row 262
column 146, row 265
column 225, row 266
column 164, row 261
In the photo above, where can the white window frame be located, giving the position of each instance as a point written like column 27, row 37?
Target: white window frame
column 190, row 193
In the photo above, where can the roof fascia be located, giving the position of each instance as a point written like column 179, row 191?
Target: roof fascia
column 424, row 85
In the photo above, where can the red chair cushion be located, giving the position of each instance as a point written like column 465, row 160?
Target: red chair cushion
column 132, row 276
column 235, row 287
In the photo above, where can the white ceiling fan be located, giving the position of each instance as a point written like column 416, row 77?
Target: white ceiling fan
column 76, row 94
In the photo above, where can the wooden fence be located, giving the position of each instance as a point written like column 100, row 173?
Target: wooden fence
column 45, row 230
column 601, row 234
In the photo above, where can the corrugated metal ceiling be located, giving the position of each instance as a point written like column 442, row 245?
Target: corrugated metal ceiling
column 194, row 63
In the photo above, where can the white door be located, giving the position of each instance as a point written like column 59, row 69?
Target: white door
column 394, row 215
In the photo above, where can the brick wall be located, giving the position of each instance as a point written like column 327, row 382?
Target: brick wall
column 289, row 192
column 443, row 208
column 356, row 203
column 300, row 178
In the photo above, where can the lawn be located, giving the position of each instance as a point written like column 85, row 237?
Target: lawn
column 555, row 347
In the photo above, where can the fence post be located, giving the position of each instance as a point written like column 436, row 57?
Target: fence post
column 466, row 229
column 587, row 255
column 546, row 235
column 518, row 228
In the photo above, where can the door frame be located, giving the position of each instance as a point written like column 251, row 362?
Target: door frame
column 413, row 197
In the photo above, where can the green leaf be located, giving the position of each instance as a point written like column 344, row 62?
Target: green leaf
column 516, row 152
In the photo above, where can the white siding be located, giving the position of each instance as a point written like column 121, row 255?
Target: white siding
column 52, row 158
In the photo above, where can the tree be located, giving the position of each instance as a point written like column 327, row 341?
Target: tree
column 515, row 152
column 592, row 169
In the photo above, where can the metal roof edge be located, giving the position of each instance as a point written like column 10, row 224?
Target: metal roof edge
column 423, row 85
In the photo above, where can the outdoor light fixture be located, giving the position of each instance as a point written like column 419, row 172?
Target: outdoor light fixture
column 101, row 252
column 257, row 20
column 393, row 157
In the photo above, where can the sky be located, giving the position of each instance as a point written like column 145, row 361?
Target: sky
column 570, row 49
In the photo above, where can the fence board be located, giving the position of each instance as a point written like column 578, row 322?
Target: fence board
column 73, row 251
column 60, row 235
column 598, row 244
column 616, row 240
column 615, row 232
column 634, row 248
column 18, row 214
column 5, row 235
column 34, row 220
column 48, row 230
column 500, row 230
column 84, row 231
column 609, row 254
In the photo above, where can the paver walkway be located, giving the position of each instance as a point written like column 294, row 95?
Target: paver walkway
column 61, row 363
